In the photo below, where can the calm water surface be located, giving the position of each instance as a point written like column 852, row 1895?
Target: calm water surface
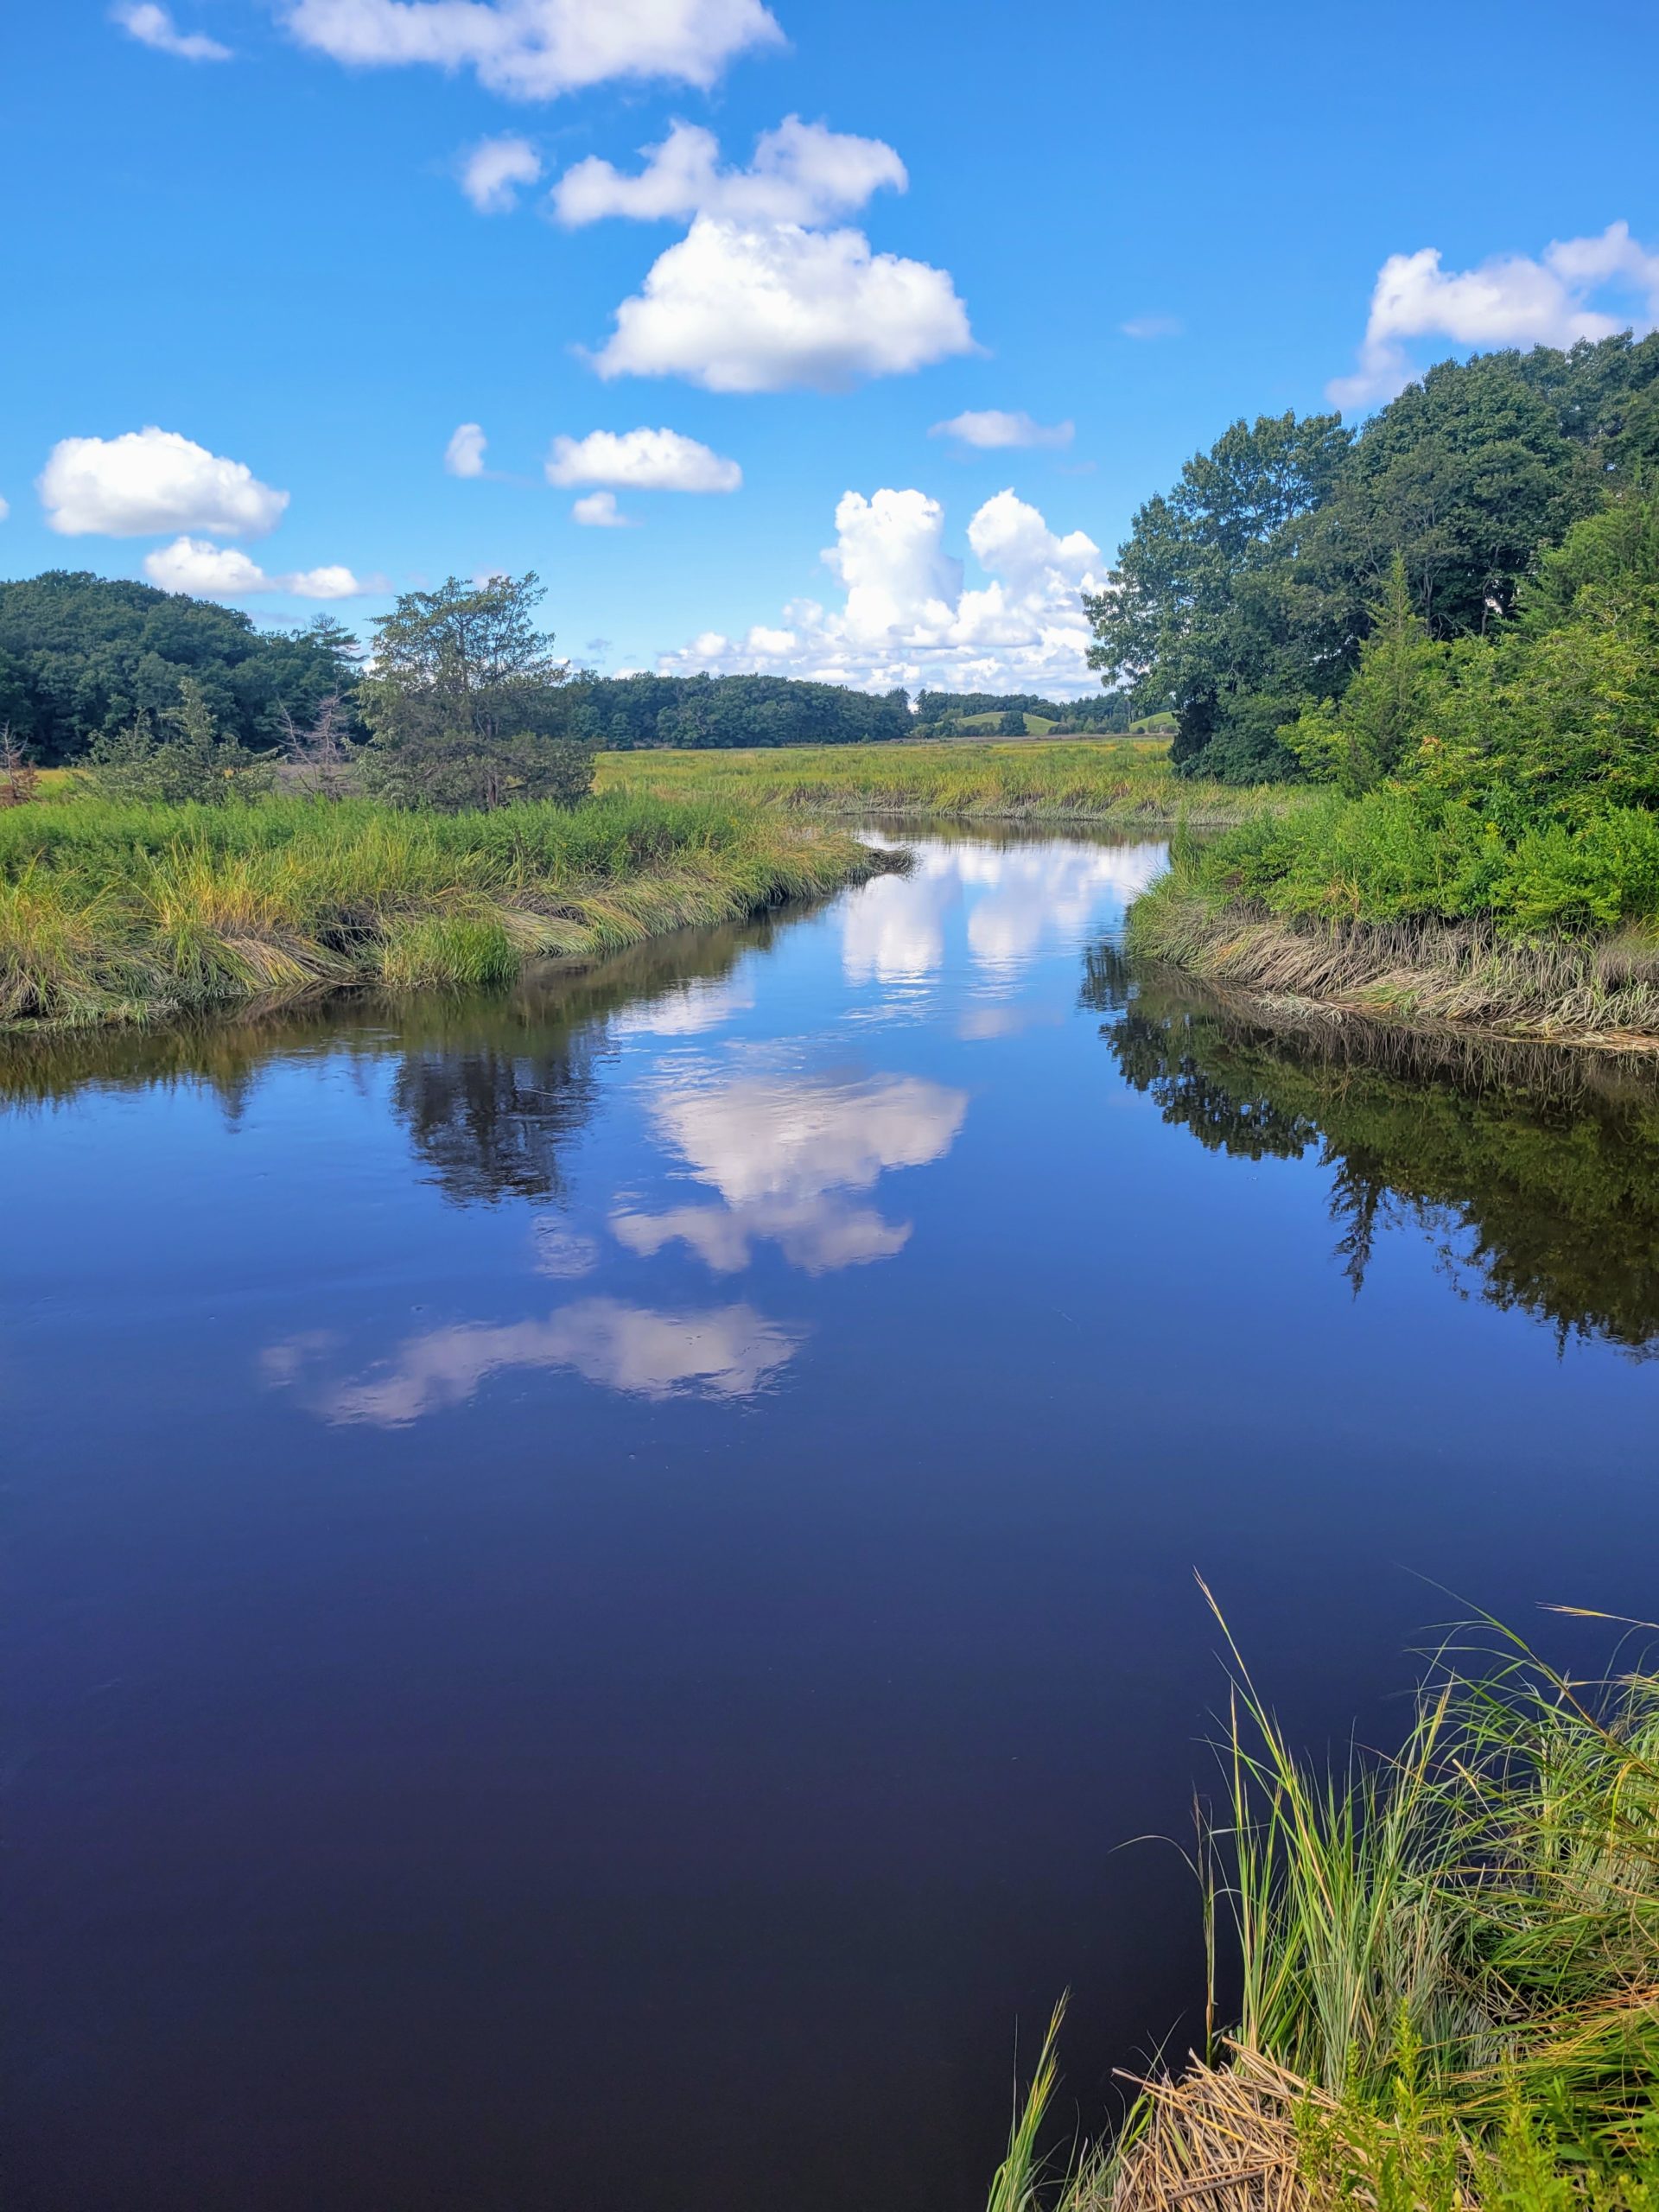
column 595, row 1581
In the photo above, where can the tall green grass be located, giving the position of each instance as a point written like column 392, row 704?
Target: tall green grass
column 109, row 912
column 1448, row 1961
column 1118, row 782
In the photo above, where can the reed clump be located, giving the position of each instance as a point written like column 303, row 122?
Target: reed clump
column 112, row 912
column 1126, row 784
column 1449, row 1966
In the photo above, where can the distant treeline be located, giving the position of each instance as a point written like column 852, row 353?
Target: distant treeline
column 1243, row 599
column 82, row 656
column 621, row 714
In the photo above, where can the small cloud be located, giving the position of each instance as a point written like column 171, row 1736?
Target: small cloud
column 464, row 454
column 988, row 428
column 1509, row 301
column 204, row 570
column 153, row 26
column 492, row 171
column 769, row 307
column 803, row 173
column 150, row 481
column 598, row 511
column 5, row 509
column 641, row 460
column 1151, row 326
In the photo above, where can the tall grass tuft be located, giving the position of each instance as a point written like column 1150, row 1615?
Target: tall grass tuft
column 1449, row 1963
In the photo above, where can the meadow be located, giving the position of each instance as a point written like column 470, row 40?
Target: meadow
column 1121, row 783
column 111, row 913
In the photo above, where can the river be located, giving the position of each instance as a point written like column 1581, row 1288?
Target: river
column 600, row 1583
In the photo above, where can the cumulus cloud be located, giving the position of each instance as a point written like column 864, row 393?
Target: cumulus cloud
column 1508, row 301
column 802, row 172
column 205, row 570
column 537, row 50
column 988, row 428
column 761, row 307
column 492, row 171
column 642, row 460
column 908, row 619
column 598, row 511
column 153, row 26
column 150, row 481
column 464, row 454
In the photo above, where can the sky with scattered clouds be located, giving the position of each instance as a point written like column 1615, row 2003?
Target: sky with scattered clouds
column 838, row 341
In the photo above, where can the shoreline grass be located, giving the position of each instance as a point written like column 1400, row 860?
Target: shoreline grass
column 112, row 913
column 1115, row 784
column 1599, row 989
column 1448, row 1959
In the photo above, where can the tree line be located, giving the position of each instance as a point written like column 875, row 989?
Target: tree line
column 1243, row 597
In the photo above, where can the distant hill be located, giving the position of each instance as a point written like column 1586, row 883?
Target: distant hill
column 80, row 653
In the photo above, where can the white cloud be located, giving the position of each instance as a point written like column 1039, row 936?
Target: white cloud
column 1151, row 325
column 208, row 571
column 760, row 307
column 537, row 50
column 150, row 481
column 5, row 509
column 153, row 26
column 464, row 454
column 802, row 172
column 907, row 618
column 641, row 460
column 779, row 1150
column 988, row 428
column 492, row 171
column 728, row 1351
column 1508, row 301
column 598, row 511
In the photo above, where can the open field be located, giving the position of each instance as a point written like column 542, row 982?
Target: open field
column 1122, row 783
column 117, row 913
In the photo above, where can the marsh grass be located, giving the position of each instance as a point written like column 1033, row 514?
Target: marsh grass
column 1597, row 987
column 1449, row 1963
column 1124, row 782
column 112, row 912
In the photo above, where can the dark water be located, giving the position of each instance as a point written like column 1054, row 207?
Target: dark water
column 598, row 1583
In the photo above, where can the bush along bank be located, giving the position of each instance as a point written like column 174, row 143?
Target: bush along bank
column 1488, row 849
column 124, row 913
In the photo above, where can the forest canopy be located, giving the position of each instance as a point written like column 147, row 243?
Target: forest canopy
column 1242, row 598
column 84, row 655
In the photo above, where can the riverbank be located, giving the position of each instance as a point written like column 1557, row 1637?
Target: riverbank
column 1448, row 1961
column 1122, row 783
column 1599, row 989
column 112, row 913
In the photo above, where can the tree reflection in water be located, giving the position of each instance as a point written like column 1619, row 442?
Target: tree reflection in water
column 1534, row 1169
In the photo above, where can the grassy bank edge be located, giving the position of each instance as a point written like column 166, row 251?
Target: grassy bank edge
column 1598, row 991
column 142, row 934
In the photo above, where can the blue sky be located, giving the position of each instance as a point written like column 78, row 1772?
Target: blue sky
column 267, row 253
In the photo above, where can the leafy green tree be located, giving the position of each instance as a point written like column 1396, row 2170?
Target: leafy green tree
column 466, row 703
column 186, row 761
column 1206, row 614
column 1389, row 706
column 1013, row 723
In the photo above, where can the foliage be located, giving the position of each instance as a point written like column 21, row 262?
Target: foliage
column 112, row 912
column 626, row 713
column 185, row 762
column 82, row 655
column 1242, row 599
column 465, row 704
